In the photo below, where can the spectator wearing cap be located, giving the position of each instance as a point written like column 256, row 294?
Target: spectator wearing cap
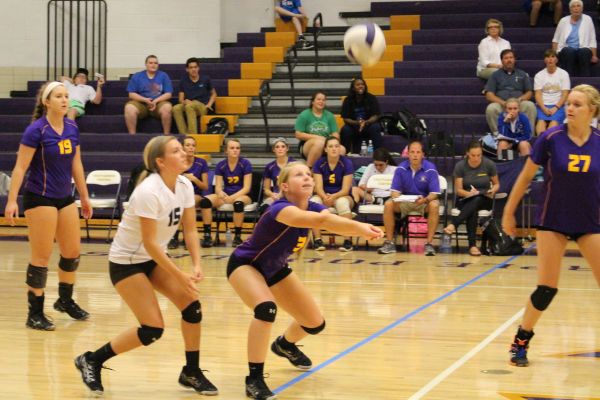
column 360, row 111
column 271, row 193
column 80, row 92
column 196, row 98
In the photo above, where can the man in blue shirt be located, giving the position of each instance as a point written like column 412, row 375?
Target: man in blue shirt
column 149, row 94
column 196, row 98
column 415, row 176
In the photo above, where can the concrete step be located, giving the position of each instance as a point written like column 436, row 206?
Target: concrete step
column 323, row 68
column 301, row 102
column 310, row 84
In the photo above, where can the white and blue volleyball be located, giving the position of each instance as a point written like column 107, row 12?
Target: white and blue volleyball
column 364, row 44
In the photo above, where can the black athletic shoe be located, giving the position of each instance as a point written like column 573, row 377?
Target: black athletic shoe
column 206, row 242
column 173, row 244
column 237, row 240
column 319, row 245
column 197, row 381
column 71, row 308
column 256, row 388
column 39, row 321
column 295, row 356
column 518, row 351
column 90, row 372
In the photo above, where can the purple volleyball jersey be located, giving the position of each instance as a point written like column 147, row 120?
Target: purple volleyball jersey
column 233, row 180
column 272, row 242
column 199, row 167
column 571, row 181
column 272, row 172
column 333, row 178
column 50, row 171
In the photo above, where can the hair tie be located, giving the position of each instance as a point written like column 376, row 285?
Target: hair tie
column 49, row 88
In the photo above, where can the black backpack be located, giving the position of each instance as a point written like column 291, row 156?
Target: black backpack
column 410, row 125
column 439, row 144
column 496, row 242
column 389, row 124
column 218, row 126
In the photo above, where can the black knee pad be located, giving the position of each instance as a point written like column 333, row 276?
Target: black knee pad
column 238, row 206
column 192, row 313
column 149, row 334
column 68, row 264
column 36, row 276
column 542, row 297
column 266, row 311
column 205, row 203
column 314, row 331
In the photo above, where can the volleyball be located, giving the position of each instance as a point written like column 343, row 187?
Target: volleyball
column 364, row 44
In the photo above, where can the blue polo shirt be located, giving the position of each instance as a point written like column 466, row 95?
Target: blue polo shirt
column 151, row 88
column 422, row 182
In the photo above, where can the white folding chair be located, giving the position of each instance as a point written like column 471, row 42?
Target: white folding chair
column 104, row 187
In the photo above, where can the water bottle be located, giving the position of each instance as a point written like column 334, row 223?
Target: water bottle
column 370, row 149
column 446, row 243
column 363, row 149
column 228, row 239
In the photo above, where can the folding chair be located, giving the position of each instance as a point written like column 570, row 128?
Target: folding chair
column 481, row 214
column 104, row 187
column 367, row 211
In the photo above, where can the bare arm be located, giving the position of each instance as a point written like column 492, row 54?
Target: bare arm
column 526, row 96
column 24, row 157
column 293, row 216
column 516, row 194
column 307, row 136
column 213, row 97
column 492, row 98
column 245, row 189
column 319, row 191
column 219, row 186
column 267, row 187
column 98, row 98
column 163, row 97
column 79, row 178
column 190, row 235
column 138, row 97
column 563, row 99
column 346, row 186
column 181, row 97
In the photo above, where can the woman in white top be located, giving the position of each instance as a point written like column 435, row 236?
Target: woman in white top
column 489, row 49
column 139, row 265
column 551, row 85
column 575, row 41
column 383, row 164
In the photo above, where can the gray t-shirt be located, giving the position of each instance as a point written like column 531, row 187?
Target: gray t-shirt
column 506, row 85
column 479, row 177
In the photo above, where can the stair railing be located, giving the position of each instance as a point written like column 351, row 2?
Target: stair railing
column 264, row 96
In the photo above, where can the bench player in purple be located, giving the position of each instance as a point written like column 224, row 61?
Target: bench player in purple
column 259, row 272
column 570, row 155
column 233, row 182
column 50, row 151
column 271, row 193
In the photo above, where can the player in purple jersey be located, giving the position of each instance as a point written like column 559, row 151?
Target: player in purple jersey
column 259, row 273
column 570, row 155
column 197, row 172
column 139, row 266
column 233, row 181
column 333, row 186
column 50, row 151
column 270, row 189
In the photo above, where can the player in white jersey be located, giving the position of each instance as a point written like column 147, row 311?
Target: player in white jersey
column 139, row 265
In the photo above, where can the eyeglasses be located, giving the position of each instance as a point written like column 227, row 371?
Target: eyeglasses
column 494, row 27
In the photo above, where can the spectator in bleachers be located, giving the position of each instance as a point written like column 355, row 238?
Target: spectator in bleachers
column 80, row 92
column 505, row 83
column 383, row 164
column 149, row 94
column 476, row 182
column 196, row 97
column 313, row 126
column 333, row 174
column 233, row 182
column 292, row 10
column 534, row 6
column 551, row 85
column 489, row 49
column 415, row 176
column 361, row 113
column 514, row 130
column 197, row 173
column 575, row 41
column 270, row 185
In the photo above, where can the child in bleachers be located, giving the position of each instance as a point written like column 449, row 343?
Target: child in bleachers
column 80, row 92
column 292, row 10
column 514, row 130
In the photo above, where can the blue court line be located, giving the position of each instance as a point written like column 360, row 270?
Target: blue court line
column 396, row 323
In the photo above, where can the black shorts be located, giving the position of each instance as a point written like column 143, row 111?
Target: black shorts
column 301, row 149
column 234, row 263
column 118, row 272
column 572, row 236
column 32, row 200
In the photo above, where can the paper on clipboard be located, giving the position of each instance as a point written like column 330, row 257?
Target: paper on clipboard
column 407, row 198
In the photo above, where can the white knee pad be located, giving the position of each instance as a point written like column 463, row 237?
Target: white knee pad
column 342, row 206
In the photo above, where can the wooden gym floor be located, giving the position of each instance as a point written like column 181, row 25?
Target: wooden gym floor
column 400, row 326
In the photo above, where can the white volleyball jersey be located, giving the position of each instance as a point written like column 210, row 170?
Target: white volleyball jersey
column 151, row 199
